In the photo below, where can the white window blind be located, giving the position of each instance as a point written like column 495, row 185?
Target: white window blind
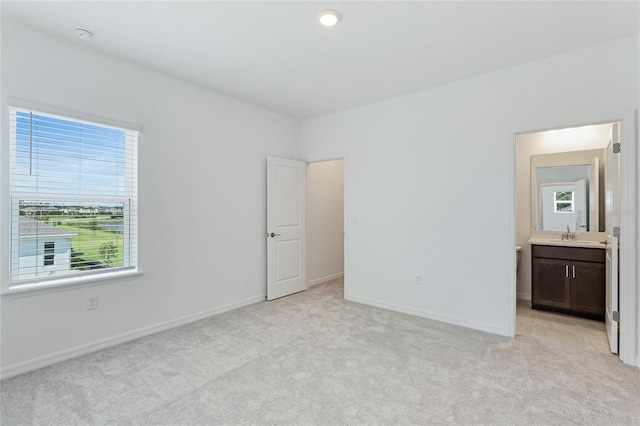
column 73, row 198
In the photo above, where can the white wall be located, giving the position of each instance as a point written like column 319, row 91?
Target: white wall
column 431, row 179
column 202, row 197
column 325, row 220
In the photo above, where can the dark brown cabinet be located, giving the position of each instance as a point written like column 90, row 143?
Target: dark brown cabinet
column 568, row 279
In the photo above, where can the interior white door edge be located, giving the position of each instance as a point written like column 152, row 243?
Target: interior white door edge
column 611, row 223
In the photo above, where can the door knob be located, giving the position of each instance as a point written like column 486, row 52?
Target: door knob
column 274, row 235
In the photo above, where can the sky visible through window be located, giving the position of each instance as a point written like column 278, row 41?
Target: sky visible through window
column 58, row 156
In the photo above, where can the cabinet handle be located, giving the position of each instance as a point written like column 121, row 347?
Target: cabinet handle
column 566, row 270
column 574, row 270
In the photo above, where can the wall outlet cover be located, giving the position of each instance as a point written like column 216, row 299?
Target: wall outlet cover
column 92, row 302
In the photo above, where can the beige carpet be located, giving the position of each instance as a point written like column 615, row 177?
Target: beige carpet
column 313, row 358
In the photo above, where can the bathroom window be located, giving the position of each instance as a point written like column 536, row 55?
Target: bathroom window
column 563, row 202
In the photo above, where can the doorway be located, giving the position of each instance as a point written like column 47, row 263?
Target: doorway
column 325, row 222
column 305, row 225
column 549, row 166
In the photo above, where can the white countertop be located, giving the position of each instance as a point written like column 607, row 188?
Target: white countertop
column 568, row 243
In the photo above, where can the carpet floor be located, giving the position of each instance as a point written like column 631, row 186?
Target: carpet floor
column 314, row 358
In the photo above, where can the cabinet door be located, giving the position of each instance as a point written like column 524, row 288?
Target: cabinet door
column 551, row 286
column 587, row 288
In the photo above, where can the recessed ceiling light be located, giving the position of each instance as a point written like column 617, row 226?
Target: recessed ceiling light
column 83, row 33
column 329, row 17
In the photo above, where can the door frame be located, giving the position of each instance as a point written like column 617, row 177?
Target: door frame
column 344, row 218
column 629, row 222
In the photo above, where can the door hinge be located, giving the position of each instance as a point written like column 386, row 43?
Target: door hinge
column 616, row 231
column 616, row 148
column 615, row 315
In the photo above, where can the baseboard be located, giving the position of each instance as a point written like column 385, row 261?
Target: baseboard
column 46, row 360
column 431, row 315
column 325, row 279
column 523, row 296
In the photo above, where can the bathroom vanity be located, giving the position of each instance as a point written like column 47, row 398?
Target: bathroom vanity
column 569, row 279
column 569, row 269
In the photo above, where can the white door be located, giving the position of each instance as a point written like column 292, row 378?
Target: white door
column 286, row 227
column 580, row 205
column 612, row 219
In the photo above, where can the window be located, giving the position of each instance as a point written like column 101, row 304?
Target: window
column 563, row 202
column 49, row 253
column 73, row 198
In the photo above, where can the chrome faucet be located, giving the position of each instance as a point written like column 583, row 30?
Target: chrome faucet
column 568, row 236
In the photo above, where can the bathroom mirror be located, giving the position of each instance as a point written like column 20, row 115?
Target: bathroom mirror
column 566, row 191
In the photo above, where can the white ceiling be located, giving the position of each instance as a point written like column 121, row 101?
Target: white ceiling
column 275, row 54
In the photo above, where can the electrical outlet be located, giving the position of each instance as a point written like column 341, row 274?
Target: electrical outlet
column 418, row 280
column 92, row 302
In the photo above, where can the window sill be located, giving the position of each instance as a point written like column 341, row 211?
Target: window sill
column 64, row 284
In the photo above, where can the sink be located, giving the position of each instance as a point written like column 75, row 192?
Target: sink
column 578, row 242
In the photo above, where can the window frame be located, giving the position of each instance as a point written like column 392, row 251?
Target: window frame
column 556, row 202
column 49, row 254
column 129, row 200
